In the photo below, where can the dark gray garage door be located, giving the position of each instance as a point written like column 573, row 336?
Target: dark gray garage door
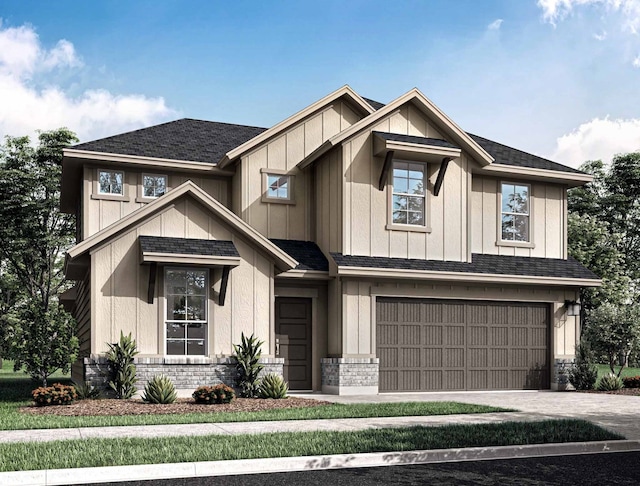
column 428, row 345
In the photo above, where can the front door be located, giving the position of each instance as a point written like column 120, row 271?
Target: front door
column 293, row 340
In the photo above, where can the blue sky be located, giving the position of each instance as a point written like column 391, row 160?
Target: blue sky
column 559, row 78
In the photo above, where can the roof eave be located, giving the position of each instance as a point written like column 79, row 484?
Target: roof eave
column 571, row 179
column 393, row 273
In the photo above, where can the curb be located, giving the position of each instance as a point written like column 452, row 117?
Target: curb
column 146, row 472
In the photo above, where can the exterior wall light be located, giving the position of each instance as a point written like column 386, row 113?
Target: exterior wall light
column 573, row 308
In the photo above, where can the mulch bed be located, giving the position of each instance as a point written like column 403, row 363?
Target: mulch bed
column 624, row 391
column 182, row 405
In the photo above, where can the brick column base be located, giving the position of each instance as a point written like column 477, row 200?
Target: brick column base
column 350, row 376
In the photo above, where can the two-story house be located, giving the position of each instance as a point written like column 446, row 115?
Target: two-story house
column 373, row 248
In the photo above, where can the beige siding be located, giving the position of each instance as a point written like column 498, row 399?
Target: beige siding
column 100, row 213
column 358, row 312
column 120, row 284
column 288, row 221
column 366, row 211
column 547, row 220
column 328, row 193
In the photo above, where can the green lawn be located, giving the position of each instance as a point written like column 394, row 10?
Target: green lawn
column 107, row 452
column 15, row 392
column 603, row 369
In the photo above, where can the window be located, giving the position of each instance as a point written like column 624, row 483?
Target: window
column 515, row 212
column 111, row 182
column 408, row 199
column 186, row 315
column 153, row 186
column 277, row 186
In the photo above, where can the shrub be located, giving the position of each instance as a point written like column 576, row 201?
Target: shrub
column 610, row 382
column 584, row 373
column 631, row 382
column 218, row 394
column 85, row 391
column 123, row 371
column 160, row 389
column 57, row 394
column 247, row 354
column 273, row 386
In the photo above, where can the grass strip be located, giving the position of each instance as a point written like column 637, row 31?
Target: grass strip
column 12, row 419
column 113, row 452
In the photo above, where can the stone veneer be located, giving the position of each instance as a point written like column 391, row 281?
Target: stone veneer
column 560, row 378
column 350, row 376
column 185, row 372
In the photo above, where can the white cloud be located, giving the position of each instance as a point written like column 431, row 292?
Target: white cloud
column 636, row 62
column 554, row 11
column 495, row 25
column 29, row 102
column 600, row 37
column 600, row 138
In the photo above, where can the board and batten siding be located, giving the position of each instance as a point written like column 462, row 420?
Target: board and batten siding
column 366, row 207
column 100, row 213
column 283, row 153
column 547, row 219
column 82, row 314
column 329, row 184
column 358, row 309
column 120, row 283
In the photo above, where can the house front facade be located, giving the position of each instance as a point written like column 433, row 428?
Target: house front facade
column 372, row 248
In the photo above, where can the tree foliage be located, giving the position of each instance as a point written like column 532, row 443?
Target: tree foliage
column 37, row 332
column 614, row 333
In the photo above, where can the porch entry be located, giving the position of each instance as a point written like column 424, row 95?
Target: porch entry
column 293, row 340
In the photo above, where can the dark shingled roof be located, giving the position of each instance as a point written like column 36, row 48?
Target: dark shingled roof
column 205, row 141
column 307, row 253
column 376, row 105
column 485, row 264
column 187, row 246
column 398, row 137
column 510, row 156
column 185, row 139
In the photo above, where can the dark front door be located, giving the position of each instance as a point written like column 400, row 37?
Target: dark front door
column 293, row 340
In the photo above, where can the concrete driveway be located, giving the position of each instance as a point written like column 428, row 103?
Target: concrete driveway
column 619, row 413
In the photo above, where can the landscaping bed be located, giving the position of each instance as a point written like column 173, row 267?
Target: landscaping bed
column 623, row 391
column 106, row 407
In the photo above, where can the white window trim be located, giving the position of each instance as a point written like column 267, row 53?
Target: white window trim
column 164, row 320
column 145, row 199
column 96, row 194
column 426, row 227
column 265, row 182
column 511, row 243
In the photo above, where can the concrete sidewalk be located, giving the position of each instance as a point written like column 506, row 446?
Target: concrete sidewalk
column 237, row 428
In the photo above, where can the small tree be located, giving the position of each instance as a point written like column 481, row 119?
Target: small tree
column 614, row 332
column 35, row 331
column 584, row 373
column 247, row 355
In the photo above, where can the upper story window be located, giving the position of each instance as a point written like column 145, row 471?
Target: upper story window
column 153, row 185
column 408, row 203
column 111, row 182
column 515, row 212
column 277, row 186
column 186, row 314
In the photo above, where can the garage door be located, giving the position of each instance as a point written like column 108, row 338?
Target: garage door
column 429, row 345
